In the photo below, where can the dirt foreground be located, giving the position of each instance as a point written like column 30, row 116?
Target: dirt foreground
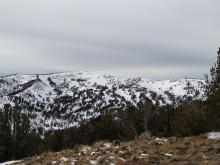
column 144, row 151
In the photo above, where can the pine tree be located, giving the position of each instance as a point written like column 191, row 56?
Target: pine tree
column 14, row 132
column 215, row 75
column 5, row 133
column 213, row 101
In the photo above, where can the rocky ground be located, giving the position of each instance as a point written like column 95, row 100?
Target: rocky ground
column 143, row 151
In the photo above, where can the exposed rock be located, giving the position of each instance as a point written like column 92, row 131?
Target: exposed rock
column 145, row 135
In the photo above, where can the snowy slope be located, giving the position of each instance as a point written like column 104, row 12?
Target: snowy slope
column 61, row 100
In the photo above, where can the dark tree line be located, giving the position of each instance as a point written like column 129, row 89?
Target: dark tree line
column 16, row 138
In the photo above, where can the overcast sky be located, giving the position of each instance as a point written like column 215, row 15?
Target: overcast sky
column 157, row 39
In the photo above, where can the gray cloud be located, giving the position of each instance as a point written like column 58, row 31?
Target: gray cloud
column 154, row 39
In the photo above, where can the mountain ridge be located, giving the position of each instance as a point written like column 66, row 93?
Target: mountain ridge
column 62, row 100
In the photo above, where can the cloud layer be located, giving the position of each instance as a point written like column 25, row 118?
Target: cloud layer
column 148, row 38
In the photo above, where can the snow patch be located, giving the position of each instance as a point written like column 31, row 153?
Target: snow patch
column 107, row 145
column 10, row 162
column 214, row 135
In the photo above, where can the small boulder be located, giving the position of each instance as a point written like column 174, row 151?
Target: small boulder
column 145, row 136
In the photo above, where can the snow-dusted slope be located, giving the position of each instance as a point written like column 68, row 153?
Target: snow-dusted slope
column 61, row 100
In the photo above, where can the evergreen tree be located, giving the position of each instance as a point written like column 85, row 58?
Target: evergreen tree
column 5, row 134
column 213, row 102
column 15, row 134
column 214, row 85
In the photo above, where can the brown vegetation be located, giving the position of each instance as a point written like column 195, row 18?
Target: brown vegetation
column 173, row 150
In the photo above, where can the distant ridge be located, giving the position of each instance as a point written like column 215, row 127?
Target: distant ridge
column 65, row 99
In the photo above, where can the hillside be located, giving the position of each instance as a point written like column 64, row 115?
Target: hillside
column 62, row 100
column 143, row 151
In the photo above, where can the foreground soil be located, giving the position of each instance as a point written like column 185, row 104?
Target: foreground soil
column 144, row 151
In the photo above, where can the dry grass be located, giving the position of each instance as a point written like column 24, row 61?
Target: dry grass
column 190, row 150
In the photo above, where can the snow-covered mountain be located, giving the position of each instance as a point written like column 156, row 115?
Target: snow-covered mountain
column 62, row 100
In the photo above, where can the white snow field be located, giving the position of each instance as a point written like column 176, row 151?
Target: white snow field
column 62, row 100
